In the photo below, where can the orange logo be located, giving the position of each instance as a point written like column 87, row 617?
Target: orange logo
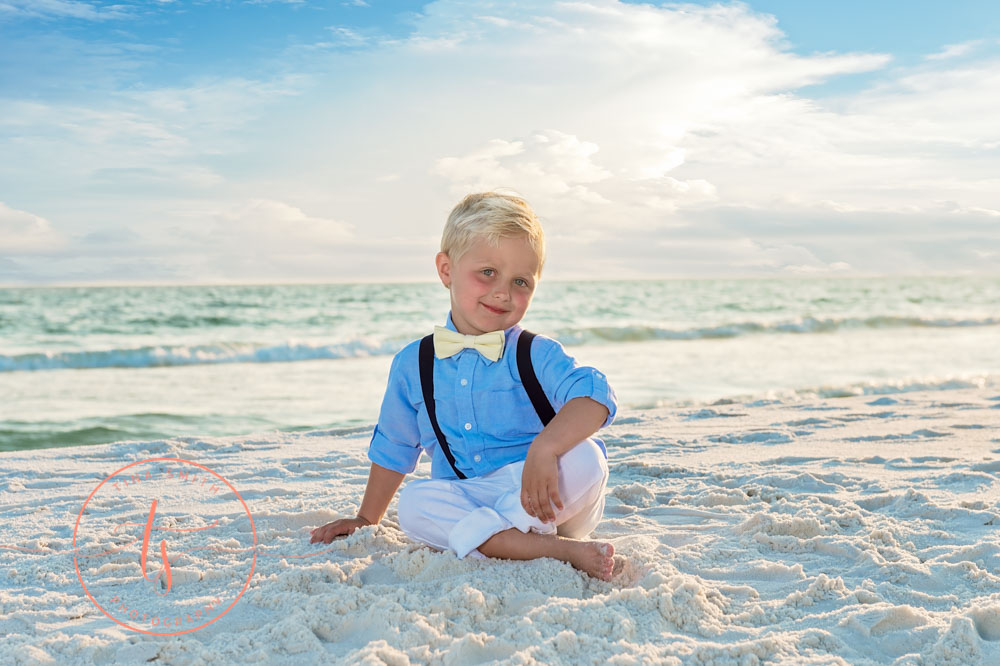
column 197, row 569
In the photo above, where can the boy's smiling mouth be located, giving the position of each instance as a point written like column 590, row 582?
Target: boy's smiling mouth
column 493, row 309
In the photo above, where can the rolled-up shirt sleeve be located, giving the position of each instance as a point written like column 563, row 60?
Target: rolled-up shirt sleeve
column 563, row 379
column 395, row 443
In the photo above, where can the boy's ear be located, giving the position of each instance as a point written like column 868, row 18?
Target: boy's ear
column 443, row 262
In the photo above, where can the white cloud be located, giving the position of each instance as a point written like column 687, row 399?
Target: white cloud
column 24, row 233
column 563, row 174
column 744, row 255
column 265, row 226
column 343, row 36
column 976, row 210
column 554, row 163
column 955, row 50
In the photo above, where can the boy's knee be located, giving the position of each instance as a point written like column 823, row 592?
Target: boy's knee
column 407, row 508
column 417, row 501
column 585, row 464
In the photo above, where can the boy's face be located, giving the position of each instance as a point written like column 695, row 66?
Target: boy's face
column 491, row 287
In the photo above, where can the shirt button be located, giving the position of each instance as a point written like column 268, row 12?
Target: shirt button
column 465, row 382
column 477, row 458
column 468, row 426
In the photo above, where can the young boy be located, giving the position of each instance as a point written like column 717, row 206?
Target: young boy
column 502, row 484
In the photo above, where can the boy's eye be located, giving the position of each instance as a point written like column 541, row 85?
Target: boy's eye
column 488, row 272
column 521, row 282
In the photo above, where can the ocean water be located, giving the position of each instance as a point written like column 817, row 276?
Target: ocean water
column 87, row 365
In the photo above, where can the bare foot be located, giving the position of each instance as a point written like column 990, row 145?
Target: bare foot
column 595, row 558
column 592, row 557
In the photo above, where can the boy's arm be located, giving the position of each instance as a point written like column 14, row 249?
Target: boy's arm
column 576, row 421
column 393, row 450
column 382, row 486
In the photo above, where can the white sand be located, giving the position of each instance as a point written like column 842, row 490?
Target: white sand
column 852, row 530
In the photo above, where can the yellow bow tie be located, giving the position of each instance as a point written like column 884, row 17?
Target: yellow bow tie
column 448, row 343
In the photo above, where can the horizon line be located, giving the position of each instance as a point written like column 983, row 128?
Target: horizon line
column 664, row 278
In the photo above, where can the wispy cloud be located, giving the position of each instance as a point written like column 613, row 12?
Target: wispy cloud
column 955, row 50
column 343, row 36
column 24, row 233
column 266, row 226
column 76, row 9
column 130, row 136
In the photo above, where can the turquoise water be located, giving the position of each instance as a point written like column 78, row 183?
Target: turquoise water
column 89, row 365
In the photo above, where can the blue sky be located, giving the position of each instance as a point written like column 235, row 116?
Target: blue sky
column 215, row 141
column 906, row 28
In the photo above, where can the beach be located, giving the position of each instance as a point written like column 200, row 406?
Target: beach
column 859, row 529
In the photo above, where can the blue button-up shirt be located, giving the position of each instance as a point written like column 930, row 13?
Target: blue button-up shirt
column 482, row 407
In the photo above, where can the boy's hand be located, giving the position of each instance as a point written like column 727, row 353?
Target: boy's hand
column 540, row 484
column 342, row 527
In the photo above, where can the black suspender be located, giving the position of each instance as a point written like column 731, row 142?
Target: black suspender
column 427, row 386
column 530, row 381
column 524, row 368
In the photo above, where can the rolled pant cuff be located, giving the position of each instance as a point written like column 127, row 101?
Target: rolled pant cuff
column 509, row 506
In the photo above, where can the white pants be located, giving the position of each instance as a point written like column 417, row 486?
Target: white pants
column 462, row 514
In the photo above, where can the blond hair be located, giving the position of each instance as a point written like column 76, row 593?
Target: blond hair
column 491, row 215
